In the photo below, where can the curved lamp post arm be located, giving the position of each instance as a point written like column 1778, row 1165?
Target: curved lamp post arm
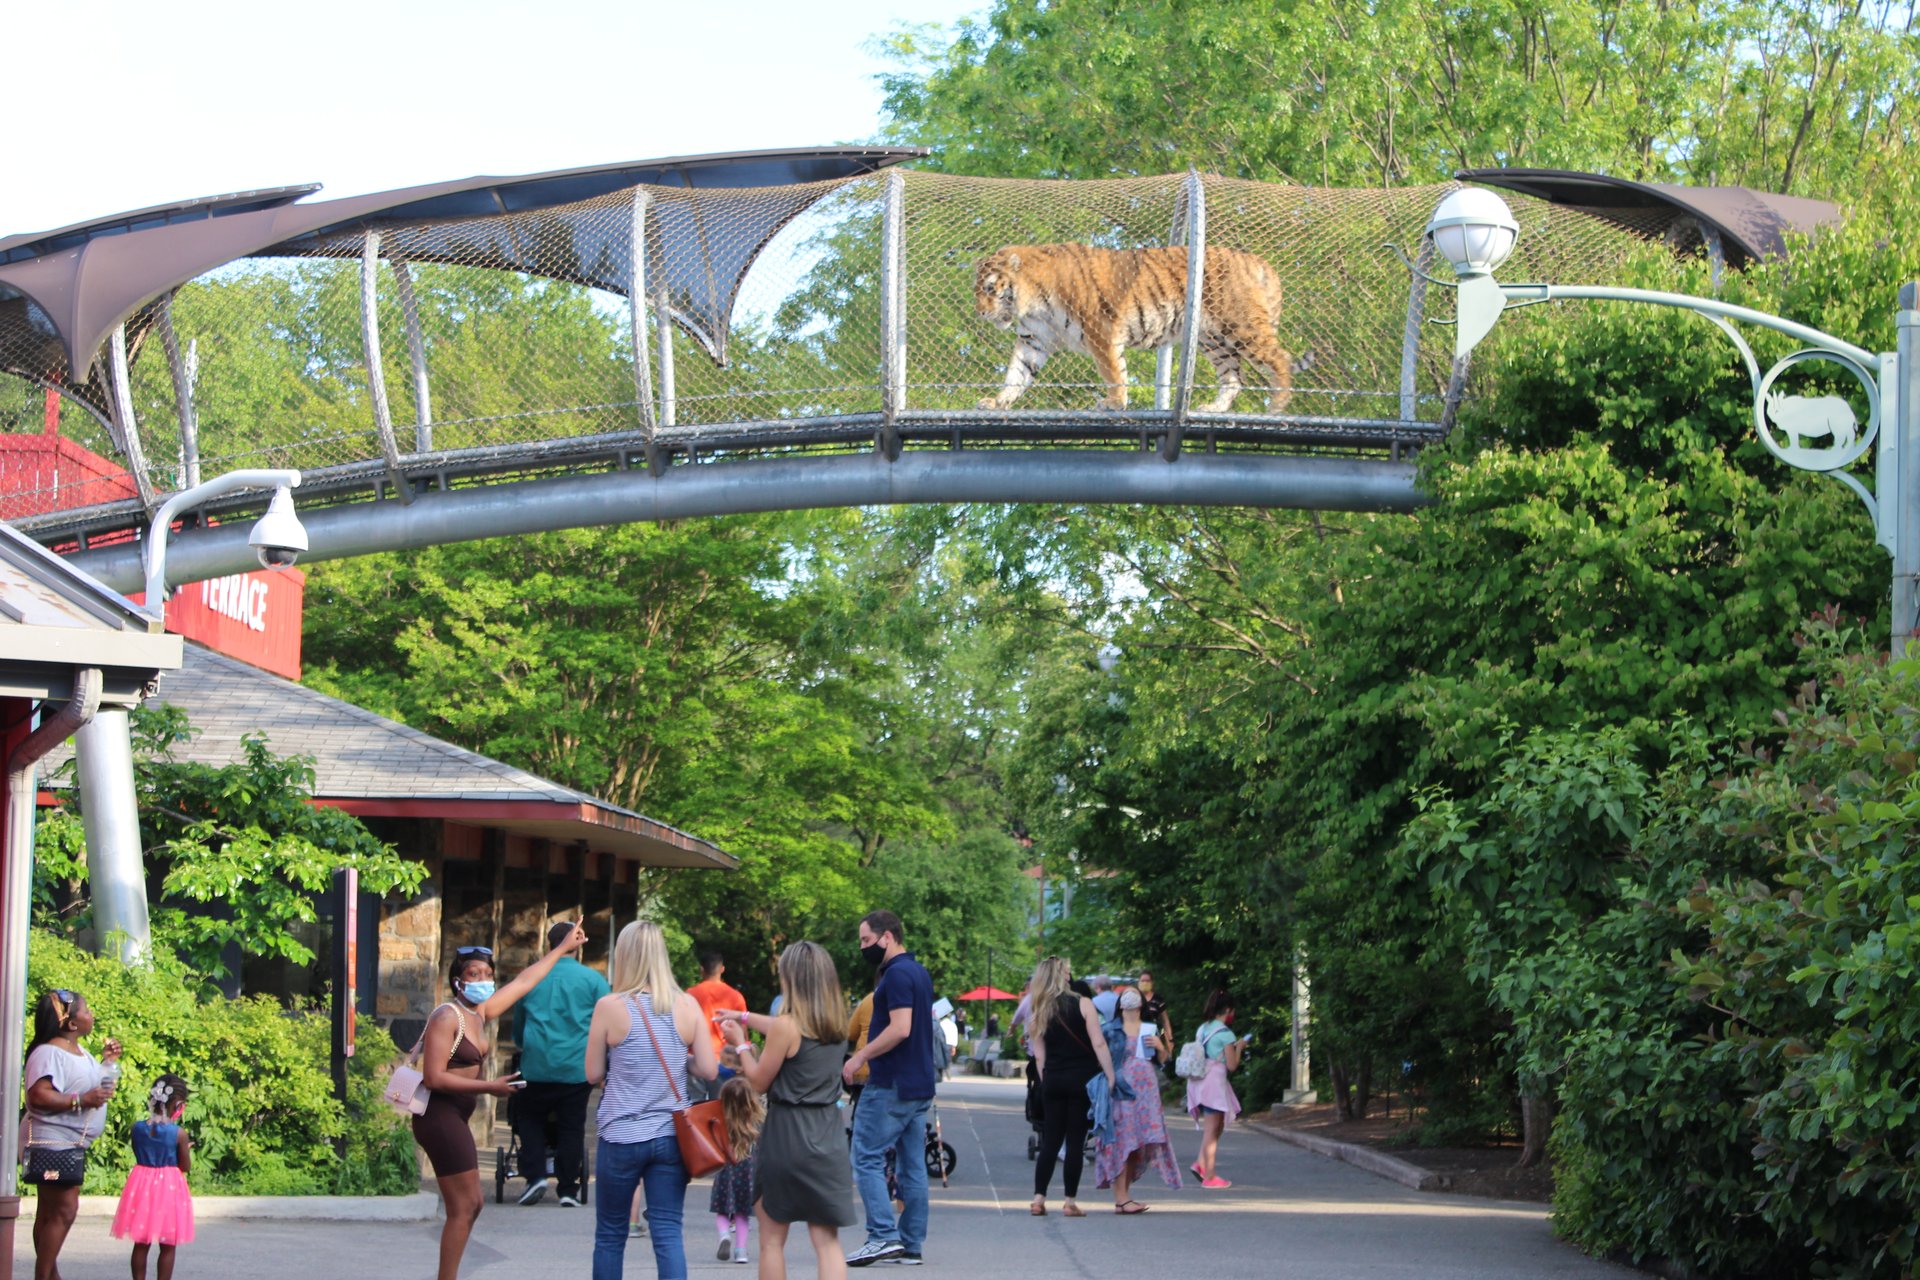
column 154, row 554
column 1524, row 293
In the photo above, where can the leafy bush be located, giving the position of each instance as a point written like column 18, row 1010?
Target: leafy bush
column 262, row 1113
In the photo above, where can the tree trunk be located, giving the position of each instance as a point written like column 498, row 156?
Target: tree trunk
column 1536, row 1117
column 1342, row 1092
column 1363, row 1090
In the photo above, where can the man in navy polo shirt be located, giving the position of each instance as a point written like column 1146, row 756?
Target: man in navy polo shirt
column 893, row 1107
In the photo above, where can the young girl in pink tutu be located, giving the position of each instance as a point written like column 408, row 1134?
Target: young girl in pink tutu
column 155, row 1206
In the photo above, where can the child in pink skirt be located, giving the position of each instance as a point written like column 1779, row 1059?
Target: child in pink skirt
column 155, row 1205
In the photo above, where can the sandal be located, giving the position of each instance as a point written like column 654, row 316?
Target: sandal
column 1137, row 1207
column 1072, row 1211
column 1038, row 1209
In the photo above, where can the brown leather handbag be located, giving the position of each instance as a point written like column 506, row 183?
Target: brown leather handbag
column 701, row 1129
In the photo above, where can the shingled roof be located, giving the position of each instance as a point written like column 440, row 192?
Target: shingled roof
column 371, row 766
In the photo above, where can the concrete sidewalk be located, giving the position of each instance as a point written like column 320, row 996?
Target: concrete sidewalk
column 1290, row 1214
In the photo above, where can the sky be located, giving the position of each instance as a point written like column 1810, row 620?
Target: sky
column 145, row 103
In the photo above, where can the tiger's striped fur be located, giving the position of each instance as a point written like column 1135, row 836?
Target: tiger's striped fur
column 1075, row 297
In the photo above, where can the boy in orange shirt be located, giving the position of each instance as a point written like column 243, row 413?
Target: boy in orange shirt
column 712, row 993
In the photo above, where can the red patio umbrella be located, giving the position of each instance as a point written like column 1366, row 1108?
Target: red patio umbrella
column 988, row 993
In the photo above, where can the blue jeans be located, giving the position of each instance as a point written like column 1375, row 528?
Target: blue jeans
column 883, row 1120
column 619, row 1167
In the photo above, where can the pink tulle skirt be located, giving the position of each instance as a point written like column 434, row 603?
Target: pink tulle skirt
column 155, row 1207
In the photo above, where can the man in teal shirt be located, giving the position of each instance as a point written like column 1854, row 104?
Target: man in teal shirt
column 550, row 1025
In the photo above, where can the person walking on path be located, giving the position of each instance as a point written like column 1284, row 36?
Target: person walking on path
column 731, row 1203
column 1069, row 1050
column 1210, row 1099
column 155, row 1205
column 1139, row 1124
column 802, row 1168
column 857, row 1040
column 638, row 1046
column 893, row 1107
column 550, row 1026
column 66, row 1097
column 713, row 995
column 453, row 1050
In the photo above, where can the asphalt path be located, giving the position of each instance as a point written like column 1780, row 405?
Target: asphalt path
column 1288, row 1214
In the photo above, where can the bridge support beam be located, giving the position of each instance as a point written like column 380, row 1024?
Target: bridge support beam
column 791, row 484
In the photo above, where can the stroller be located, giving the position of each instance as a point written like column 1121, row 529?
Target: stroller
column 507, row 1160
column 1036, row 1117
column 939, row 1154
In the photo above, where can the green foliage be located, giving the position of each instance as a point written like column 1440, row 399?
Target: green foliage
column 1797, row 97
column 262, row 1112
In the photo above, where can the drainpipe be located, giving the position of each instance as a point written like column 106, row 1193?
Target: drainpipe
column 16, row 890
column 117, row 883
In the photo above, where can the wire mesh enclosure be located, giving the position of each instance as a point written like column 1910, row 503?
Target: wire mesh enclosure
column 656, row 325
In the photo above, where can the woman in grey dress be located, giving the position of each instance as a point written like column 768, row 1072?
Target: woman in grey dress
column 801, row 1173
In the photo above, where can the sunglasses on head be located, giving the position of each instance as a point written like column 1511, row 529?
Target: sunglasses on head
column 62, row 1002
column 465, row 953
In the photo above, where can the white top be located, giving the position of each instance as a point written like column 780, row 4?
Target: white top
column 70, row 1073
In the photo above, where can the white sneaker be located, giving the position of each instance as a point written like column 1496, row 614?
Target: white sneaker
column 535, row 1192
column 740, row 1255
column 725, row 1251
column 874, row 1251
column 569, row 1202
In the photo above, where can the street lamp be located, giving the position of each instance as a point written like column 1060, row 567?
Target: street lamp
column 277, row 538
column 1475, row 231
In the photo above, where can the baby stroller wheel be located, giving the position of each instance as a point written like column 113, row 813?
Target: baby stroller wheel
column 501, row 1161
column 940, row 1161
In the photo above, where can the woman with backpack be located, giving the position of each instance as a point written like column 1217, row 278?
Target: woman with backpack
column 1206, row 1061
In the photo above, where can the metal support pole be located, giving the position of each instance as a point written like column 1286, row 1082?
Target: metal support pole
column 1163, row 354
column 417, row 353
column 182, row 396
column 893, row 320
column 663, row 327
column 124, row 426
column 1410, row 340
column 637, row 322
column 1902, row 506
column 103, row 766
column 1190, row 322
column 376, row 373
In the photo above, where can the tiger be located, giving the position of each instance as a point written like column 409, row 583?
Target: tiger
column 1076, row 297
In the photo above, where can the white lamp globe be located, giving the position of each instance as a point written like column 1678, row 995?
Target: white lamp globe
column 1474, row 230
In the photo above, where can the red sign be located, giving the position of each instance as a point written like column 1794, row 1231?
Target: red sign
column 350, row 930
column 254, row 617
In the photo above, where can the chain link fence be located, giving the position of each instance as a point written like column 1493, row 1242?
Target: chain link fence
column 660, row 324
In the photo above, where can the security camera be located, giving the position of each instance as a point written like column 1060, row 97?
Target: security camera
column 279, row 537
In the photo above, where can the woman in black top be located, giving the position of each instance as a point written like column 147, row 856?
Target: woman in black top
column 1068, row 1050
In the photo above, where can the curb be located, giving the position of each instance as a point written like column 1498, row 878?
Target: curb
column 419, row 1207
column 1374, row 1162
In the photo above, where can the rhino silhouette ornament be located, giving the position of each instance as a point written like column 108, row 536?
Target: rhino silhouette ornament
column 1812, row 417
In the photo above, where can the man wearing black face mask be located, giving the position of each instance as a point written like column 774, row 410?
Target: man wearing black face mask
column 893, row 1107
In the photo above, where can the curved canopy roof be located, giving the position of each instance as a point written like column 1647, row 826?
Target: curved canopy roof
column 1752, row 224
column 88, row 278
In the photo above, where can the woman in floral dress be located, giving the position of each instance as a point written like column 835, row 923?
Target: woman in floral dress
column 1139, row 1125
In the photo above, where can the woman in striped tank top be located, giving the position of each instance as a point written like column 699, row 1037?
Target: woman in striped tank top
column 638, row 1046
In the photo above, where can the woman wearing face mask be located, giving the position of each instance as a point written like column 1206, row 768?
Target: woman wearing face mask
column 1210, row 1099
column 453, row 1052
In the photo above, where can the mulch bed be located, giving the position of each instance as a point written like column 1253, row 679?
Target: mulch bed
column 1488, row 1170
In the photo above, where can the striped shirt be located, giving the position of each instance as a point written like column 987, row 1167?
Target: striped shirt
column 636, row 1104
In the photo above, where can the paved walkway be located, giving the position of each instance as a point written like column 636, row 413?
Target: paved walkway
column 1290, row 1214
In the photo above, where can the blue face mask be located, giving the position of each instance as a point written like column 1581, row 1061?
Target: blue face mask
column 477, row 992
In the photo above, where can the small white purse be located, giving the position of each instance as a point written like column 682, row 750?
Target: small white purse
column 406, row 1090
